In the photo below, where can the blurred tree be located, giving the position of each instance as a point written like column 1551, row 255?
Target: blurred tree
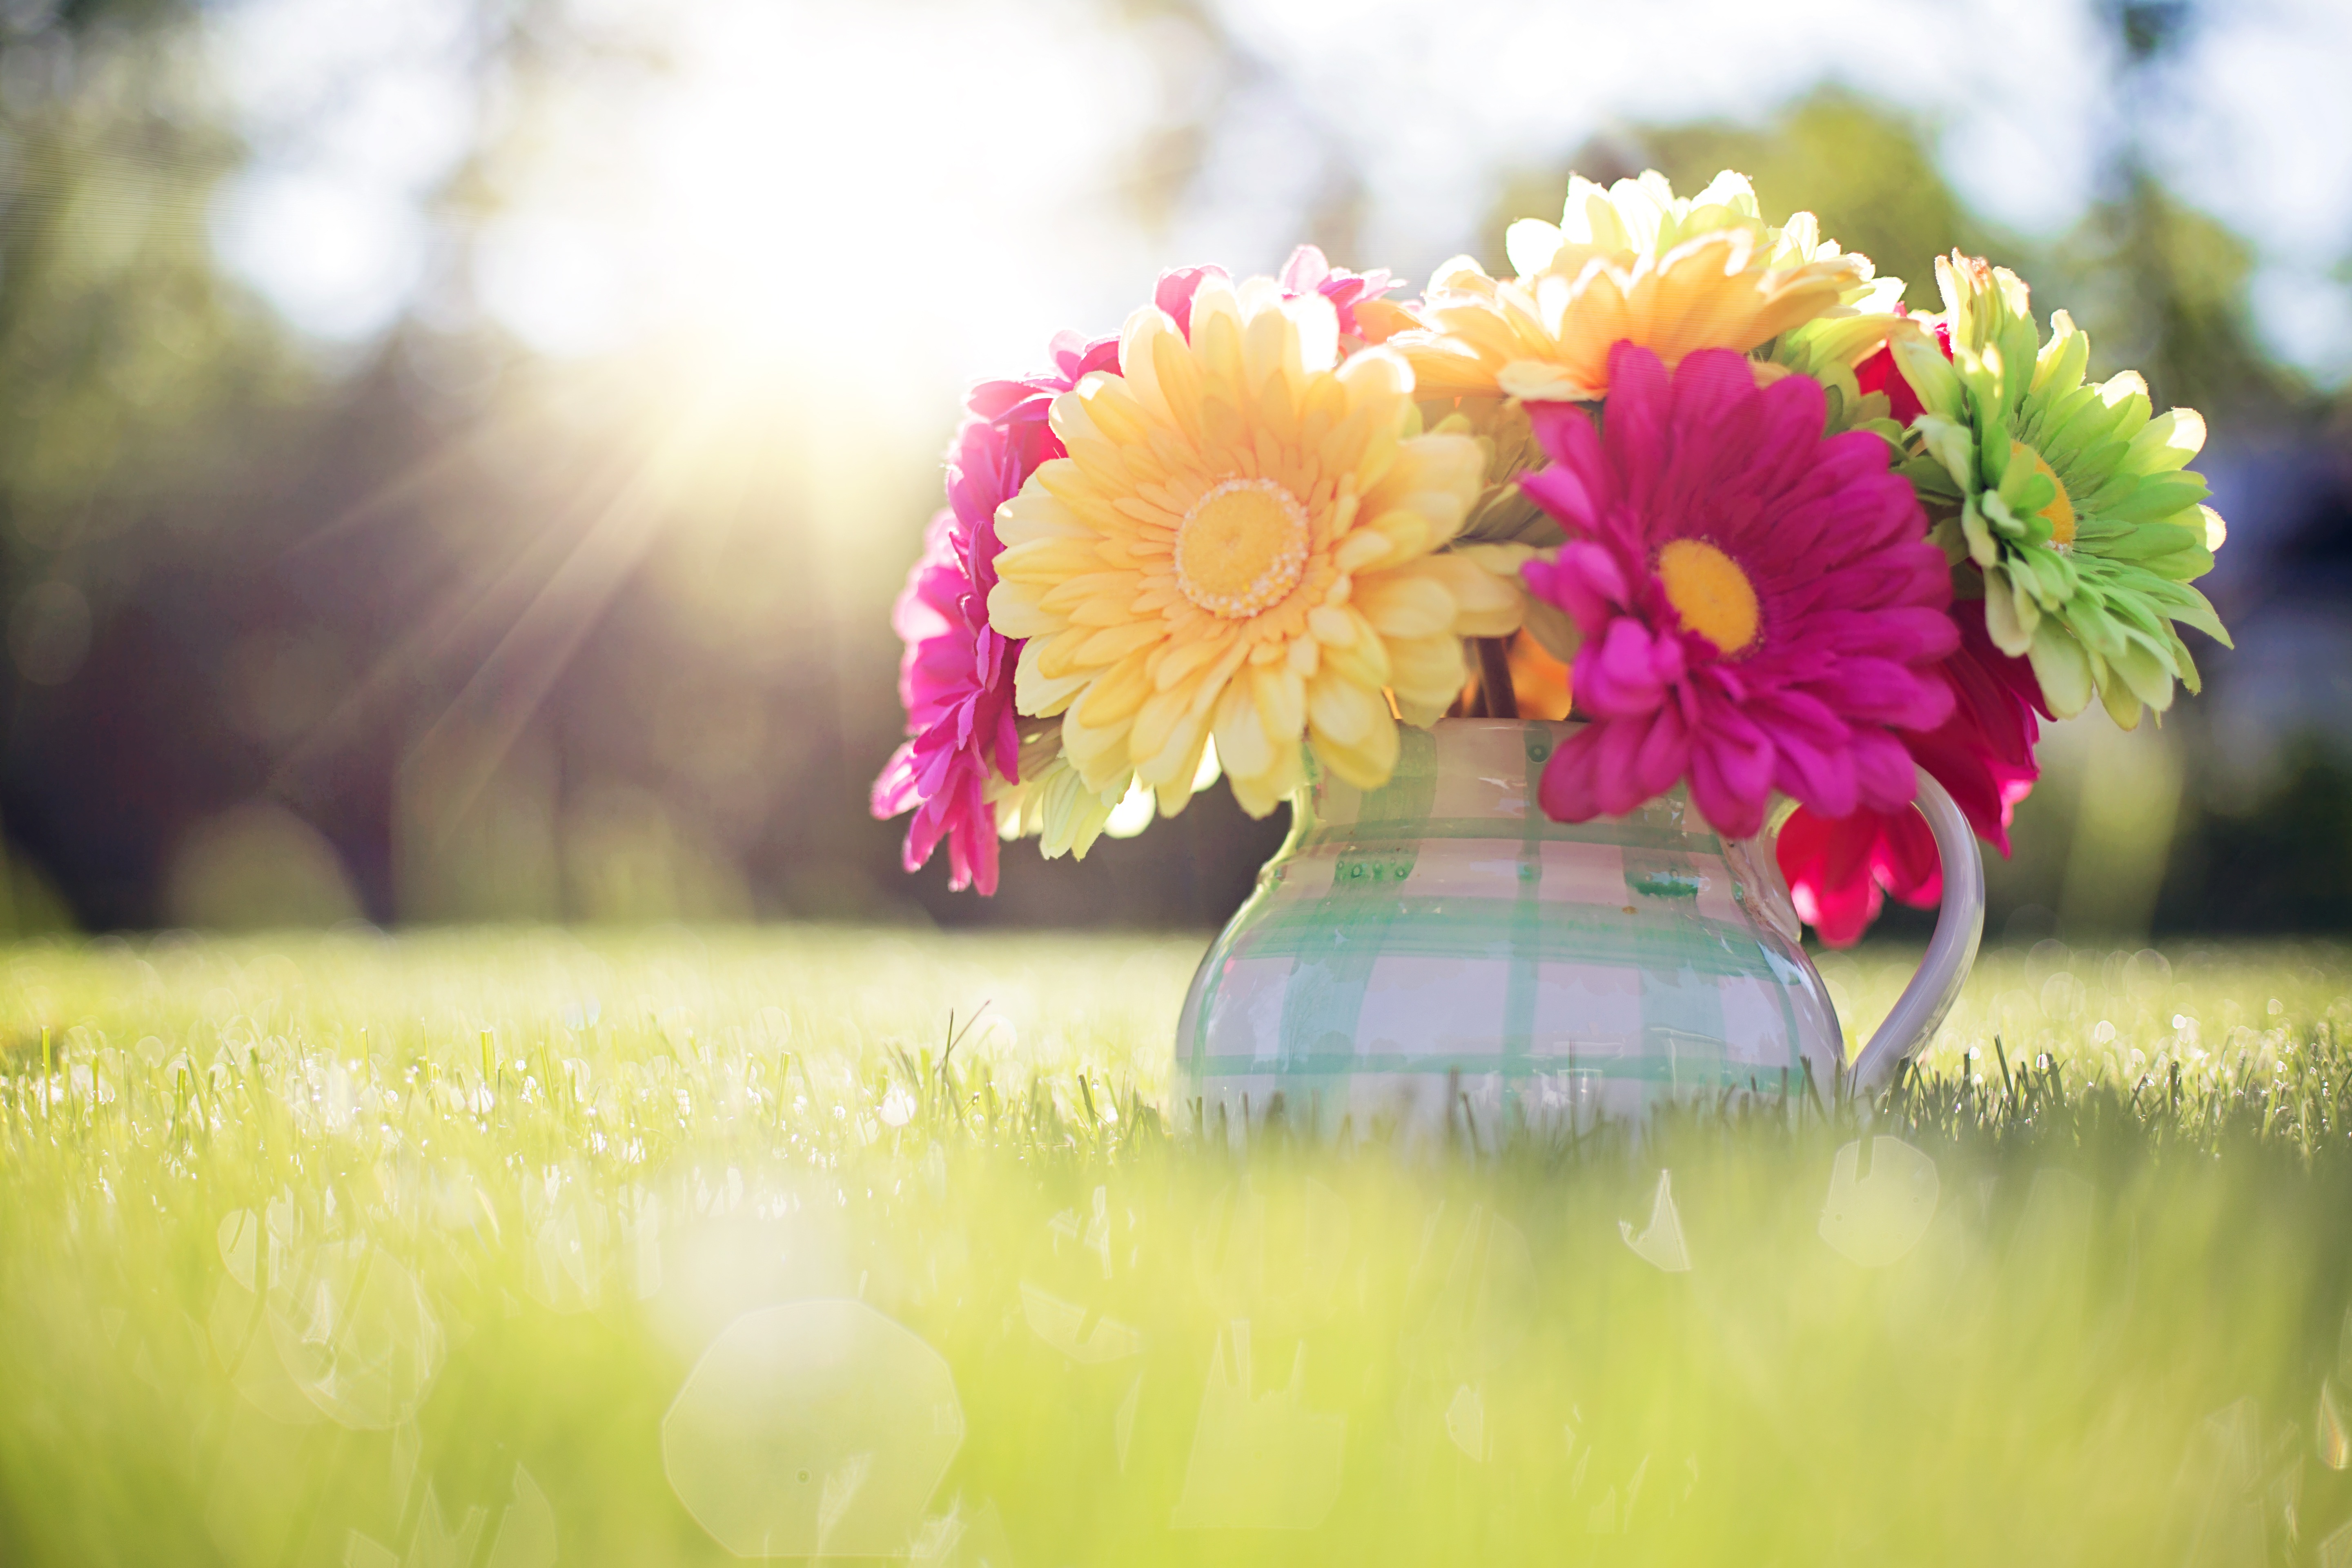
column 134, row 388
column 2163, row 288
column 2167, row 284
column 438, row 630
column 2278, row 861
column 432, row 627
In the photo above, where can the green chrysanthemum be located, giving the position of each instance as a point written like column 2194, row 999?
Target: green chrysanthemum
column 2073, row 500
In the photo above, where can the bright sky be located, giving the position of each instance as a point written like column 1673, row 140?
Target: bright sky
column 899, row 196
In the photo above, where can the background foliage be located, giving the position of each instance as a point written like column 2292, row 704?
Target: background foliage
column 424, row 620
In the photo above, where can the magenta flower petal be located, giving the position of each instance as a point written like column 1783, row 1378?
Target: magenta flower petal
column 1823, row 774
column 1772, row 589
column 1307, row 272
column 1730, row 781
column 956, row 677
column 1584, row 581
column 1565, row 432
column 1665, row 754
column 1617, row 674
column 1614, row 750
column 1566, row 791
column 1176, row 290
column 1840, row 870
column 1885, row 775
column 1561, row 491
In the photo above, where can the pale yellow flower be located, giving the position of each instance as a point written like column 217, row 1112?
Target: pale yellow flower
column 1242, row 544
column 1631, row 262
column 1053, row 805
column 1050, row 802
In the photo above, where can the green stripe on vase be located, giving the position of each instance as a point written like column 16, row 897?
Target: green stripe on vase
column 1361, row 973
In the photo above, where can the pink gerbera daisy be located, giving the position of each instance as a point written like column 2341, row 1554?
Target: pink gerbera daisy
column 1841, row 870
column 956, row 678
column 1307, row 272
column 1760, row 607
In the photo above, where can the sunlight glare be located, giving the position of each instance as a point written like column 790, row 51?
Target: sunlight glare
column 829, row 193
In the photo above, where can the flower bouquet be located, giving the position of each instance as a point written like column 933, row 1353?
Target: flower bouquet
column 1692, row 478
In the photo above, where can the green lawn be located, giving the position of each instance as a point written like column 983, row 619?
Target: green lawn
column 517, row 1248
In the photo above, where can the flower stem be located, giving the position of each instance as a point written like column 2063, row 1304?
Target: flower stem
column 1495, row 678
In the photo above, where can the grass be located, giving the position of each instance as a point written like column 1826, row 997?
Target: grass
column 512, row 1249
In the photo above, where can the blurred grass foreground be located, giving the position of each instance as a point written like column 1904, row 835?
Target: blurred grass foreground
column 519, row 1249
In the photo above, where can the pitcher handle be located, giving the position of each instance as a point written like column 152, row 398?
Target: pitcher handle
column 1959, row 928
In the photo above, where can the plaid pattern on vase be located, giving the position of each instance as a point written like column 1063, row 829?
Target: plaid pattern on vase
column 1438, row 952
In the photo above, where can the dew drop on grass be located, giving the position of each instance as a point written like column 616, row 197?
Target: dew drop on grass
column 2146, row 971
column 2062, row 996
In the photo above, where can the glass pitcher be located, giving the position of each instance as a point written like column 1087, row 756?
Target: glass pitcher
column 1439, row 946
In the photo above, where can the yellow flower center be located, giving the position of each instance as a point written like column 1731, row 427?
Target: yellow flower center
column 1242, row 548
column 2061, row 512
column 1710, row 592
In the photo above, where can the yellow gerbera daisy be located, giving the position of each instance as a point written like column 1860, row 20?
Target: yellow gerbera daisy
column 1631, row 262
column 1242, row 544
